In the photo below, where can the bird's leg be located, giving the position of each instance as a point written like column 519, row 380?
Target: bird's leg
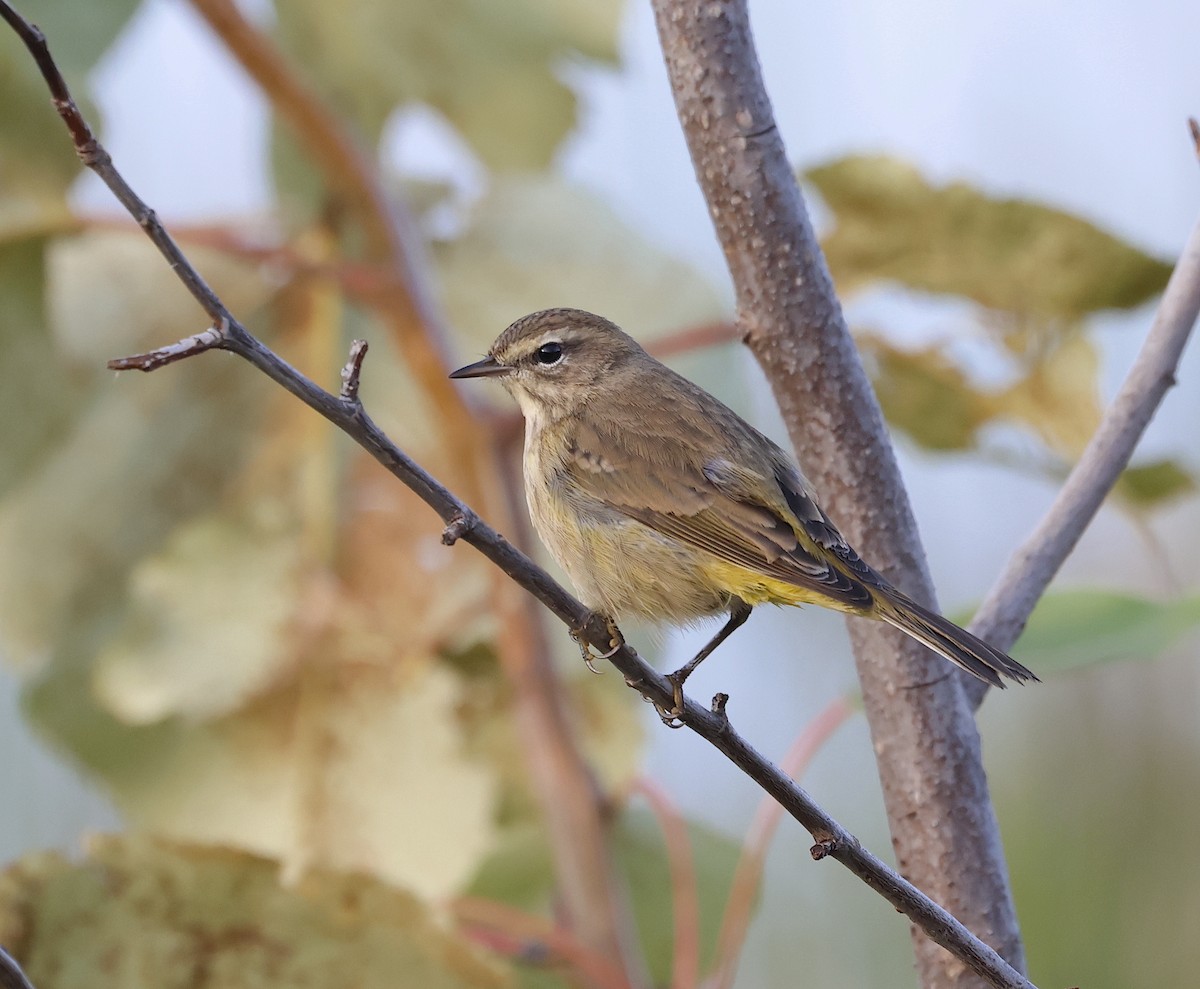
column 737, row 618
column 615, row 639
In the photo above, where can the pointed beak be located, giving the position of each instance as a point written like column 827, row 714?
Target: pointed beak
column 486, row 368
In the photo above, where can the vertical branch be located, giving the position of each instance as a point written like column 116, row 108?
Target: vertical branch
column 927, row 748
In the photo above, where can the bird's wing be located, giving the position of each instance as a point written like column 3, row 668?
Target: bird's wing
column 761, row 517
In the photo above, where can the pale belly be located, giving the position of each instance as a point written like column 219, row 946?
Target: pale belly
column 619, row 566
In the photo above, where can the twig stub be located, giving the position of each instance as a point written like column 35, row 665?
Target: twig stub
column 350, row 376
column 197, row 343
column 458, row 526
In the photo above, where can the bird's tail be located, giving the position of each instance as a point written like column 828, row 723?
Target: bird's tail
column 948, row 640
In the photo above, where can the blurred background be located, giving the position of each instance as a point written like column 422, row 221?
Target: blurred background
column 223, row 628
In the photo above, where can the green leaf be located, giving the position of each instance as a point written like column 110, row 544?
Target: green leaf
column 37, row 162
column 1154, row 484
column 520, row 872
column 142, row 914
column 71, row 522
column 925, row 395
column 1006, row 254
column 491, row 69
column 1072, row 629
column 78, row 31
column 642, row 854
column 36, row 389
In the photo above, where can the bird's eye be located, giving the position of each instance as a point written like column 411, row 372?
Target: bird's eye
column 549, row 353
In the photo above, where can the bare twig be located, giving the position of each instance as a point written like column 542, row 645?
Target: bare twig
column 685, row 893
column 11, row 976
column 1028, row 573
column 926, row 743
column 352, row 372
column 152, row 360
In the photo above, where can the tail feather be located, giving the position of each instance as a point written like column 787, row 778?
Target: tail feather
column 951, row 642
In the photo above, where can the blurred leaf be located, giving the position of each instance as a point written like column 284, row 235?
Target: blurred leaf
column 520, row 873
column 36, row 389
column 345, row 765
column 1154, row 484
column 1059, row 399
column 231, row 622
column 206, row 624
column 71, row 523
column 37, row 162
column 925, row 395
column 1007, row 254
column 1071, row 629
column 642, row 854
column 491, row 69
column 141, row 914
column 537, row 243
column 78, row 33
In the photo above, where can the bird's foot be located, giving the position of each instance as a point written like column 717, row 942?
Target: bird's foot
column 616, row 640
column 673, row 717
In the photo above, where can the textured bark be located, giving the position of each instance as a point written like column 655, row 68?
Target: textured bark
column 943, row 827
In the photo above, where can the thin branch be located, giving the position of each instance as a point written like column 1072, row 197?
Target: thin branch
column 747, row 877
column 685, row 893
column 11, row 976
column 926, row 744
column 1008, row 605
column 562, row 781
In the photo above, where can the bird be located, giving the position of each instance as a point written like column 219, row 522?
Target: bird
column 662, row 503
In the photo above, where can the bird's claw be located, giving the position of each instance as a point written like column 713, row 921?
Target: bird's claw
column 585, row 650
column 673, row 718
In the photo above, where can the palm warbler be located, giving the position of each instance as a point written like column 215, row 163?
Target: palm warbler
column 662, row 503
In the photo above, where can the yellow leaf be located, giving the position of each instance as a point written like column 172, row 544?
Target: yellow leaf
column 1007, row 254
column 349, row 766
column 1059, row 399
column 207, row 622
column 923, row 393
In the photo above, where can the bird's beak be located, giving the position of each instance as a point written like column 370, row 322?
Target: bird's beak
column 486, row 368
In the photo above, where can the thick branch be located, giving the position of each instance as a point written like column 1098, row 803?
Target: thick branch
column 927, row 747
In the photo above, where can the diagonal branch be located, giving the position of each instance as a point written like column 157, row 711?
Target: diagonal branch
column 347, row 413
column 1008, row 605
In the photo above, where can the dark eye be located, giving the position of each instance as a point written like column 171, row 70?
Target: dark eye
column 549, row 353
